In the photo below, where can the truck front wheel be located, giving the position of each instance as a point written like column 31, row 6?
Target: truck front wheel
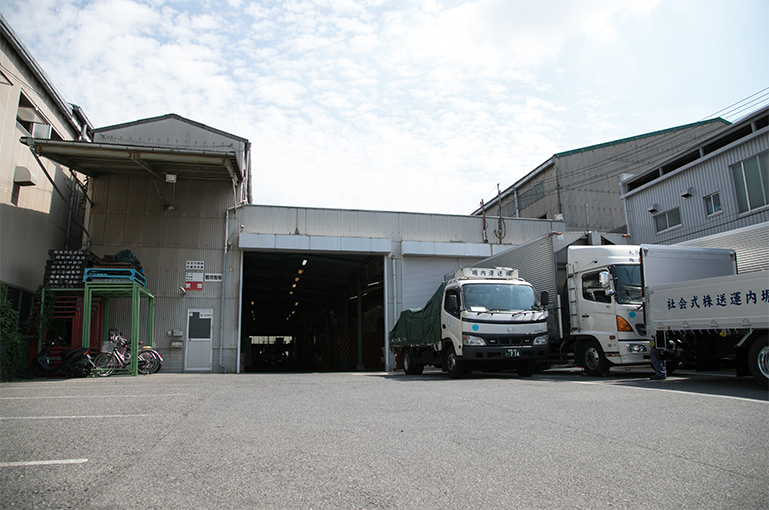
column 593, row 360
column 758, row 360
column 454, row 366
column 409, row 367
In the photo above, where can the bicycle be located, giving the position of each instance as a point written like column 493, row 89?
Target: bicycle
column 106, row 363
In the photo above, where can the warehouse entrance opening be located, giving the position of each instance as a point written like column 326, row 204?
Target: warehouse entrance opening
column 309, row 311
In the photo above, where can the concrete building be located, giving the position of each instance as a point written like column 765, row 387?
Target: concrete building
column 582, row 185
column 38, row 196
column 714, row 185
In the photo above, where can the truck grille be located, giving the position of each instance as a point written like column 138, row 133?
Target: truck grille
column 508, row 341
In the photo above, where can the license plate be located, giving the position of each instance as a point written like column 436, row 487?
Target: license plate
column 512, row 353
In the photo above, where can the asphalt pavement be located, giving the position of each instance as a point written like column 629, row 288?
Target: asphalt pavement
column 557, row 440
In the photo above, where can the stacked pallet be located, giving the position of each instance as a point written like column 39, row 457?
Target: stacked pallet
column 122, row 267
column 66, row 268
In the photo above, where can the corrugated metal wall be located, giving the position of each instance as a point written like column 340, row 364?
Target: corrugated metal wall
column 128, row 214
column 397, row 226
column 750, row 243
column 171, row 131
column 532, row 266
column 589, row 178
column 423, row 275
column 706, row 176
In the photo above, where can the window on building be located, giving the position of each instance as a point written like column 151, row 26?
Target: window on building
column 712, row 204
column 751, row 182
column 30, row 120
column 668, row 219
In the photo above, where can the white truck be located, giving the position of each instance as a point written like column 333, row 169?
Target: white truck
column 586, row 326
column 611, row 302
column 698, row 308
column 479, row 318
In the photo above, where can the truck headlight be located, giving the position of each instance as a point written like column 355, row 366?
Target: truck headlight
column 472, row 340
column 541, row 340
column 636, row 348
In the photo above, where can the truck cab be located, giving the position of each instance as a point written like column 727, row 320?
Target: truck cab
column 605, row 307
column 491, row 319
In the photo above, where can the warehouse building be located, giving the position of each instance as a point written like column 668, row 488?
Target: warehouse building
column 246, row 287
column 582, row 185
column 717, row 184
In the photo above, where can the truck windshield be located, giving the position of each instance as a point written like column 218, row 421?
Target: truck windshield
column 628, row 281
column 497, row 297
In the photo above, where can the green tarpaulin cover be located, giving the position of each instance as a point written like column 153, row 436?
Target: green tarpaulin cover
column 419, row 326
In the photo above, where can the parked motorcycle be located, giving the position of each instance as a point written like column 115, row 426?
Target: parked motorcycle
column 74, row 362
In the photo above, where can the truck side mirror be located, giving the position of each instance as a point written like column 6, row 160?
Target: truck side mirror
column 604, row 278
column 544, row 298
column 453, row 303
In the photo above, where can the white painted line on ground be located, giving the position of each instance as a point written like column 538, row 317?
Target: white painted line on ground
column 99, row 416
column 102, row 396
column 690, row 393
column 43, row 462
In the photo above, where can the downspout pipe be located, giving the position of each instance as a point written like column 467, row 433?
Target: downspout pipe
column 224, row 281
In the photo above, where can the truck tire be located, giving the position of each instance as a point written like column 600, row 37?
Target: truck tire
column 526, row 368
column 454, row 366
column 409, row 367
column 758, row 361
column 593, row 360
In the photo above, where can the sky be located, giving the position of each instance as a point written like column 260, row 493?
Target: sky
column 422, row 106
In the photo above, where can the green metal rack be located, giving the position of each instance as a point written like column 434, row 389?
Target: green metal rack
column 110, row 290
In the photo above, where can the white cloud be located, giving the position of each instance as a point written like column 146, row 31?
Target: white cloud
column 383, row 105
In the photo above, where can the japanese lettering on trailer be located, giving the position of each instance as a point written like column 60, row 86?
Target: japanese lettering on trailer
column 723, row 300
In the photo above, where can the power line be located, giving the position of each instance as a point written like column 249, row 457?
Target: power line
column 674, row 142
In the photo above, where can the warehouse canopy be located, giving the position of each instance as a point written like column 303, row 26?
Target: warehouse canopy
column 100, row 159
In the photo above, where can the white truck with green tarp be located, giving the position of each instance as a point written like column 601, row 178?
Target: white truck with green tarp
column 479, row 318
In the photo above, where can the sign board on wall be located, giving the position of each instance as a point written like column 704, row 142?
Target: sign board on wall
column 194, row 276
column 193, row 281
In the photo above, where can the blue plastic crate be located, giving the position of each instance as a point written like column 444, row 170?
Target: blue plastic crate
column 103, row 274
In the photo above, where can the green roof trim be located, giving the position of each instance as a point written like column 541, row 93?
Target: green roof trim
column 640, row 137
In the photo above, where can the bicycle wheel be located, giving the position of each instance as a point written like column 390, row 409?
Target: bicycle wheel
column 158, row 359
column 106, row 363
column 145, row 362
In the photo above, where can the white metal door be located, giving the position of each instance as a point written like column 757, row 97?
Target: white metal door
column 198, row 354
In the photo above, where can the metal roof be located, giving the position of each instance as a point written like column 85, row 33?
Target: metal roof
column 100, row 159
column 169, row 116
column 542, row 167
column 641, row 137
